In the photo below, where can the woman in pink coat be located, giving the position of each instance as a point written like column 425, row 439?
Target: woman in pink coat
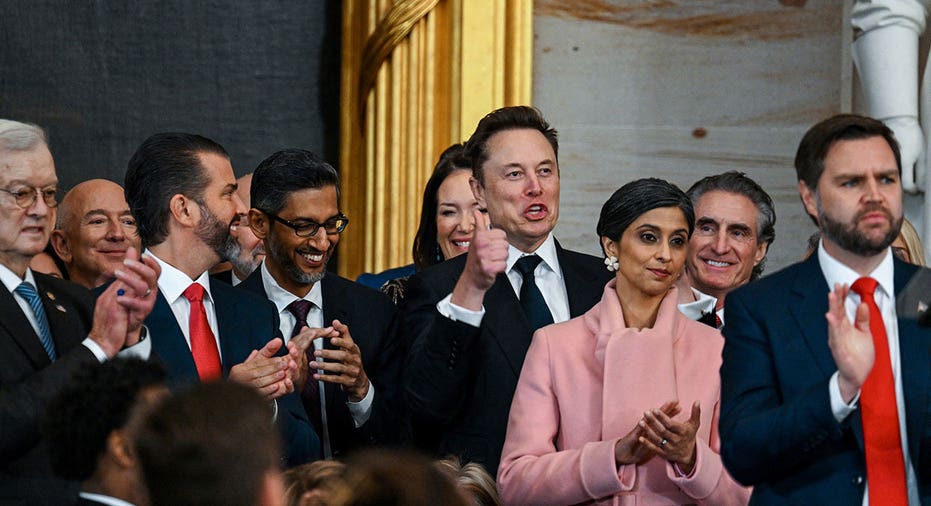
column 620, row 406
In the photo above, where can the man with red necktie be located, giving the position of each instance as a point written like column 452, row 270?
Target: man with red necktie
column 182, row 192
column 824, row 387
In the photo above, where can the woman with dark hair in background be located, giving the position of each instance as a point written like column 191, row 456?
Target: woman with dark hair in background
column 446, row 222
column 620, row 405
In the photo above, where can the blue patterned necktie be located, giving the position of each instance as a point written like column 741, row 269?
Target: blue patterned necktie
column 531, row 299
column 28, row 292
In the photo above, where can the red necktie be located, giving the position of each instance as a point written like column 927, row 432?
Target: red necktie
column 203, row 343
column 885, row 463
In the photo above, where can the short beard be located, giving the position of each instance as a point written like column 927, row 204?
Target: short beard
column 245, row 265
column 214, row 234
column 848, row 238
column 290, row 269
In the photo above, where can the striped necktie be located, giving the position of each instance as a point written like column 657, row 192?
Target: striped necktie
column 28, row 292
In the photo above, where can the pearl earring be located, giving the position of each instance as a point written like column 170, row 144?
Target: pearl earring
column 611, row 263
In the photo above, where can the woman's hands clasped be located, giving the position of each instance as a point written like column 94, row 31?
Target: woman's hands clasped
column 658, row 434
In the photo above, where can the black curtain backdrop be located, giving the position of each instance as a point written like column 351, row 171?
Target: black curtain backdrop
column 101, row 76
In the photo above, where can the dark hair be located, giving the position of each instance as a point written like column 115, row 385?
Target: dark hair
column 381, row 477
column 165, row 165
column 210, row 445
column 633, row 199
column 738, row 183
column 818, row 140
column 505, row 118
column 96, row 402
column 426, row 251
column 288, row 171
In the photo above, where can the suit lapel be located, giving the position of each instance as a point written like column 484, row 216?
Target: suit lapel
column 168, row 341
column 505, row 321
column 811, row 291
column 16, row 324
column 336, row 306
column 915, row 362
column 226, row 308
column 582, row 289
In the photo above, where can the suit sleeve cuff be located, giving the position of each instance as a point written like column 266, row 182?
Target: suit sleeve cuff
column 362, row 410
column 839, row 408
column 458, row 313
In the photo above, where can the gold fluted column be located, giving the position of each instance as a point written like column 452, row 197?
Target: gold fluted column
column 417, row 75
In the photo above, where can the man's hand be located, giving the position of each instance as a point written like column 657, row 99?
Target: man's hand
column 111, row 320
column 851, row 343
column 672, row 440
column 487, row 257
column 265, row 372
column 137, row 289
column 343, row 364
column 297, row 350
column 630, row 448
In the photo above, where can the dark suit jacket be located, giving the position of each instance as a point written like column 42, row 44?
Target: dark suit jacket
column 372, row 321
column 245, row 323
column 224, row 276
column 459, row 379
column 28, row 380
column 777, row 429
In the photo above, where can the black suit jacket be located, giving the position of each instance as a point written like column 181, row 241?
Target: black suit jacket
column 28, row 380
column 372, row 321
column 777, row 429
column 245, row 323
column 460, row 379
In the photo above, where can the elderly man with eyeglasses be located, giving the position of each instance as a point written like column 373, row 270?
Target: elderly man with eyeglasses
column 49, row 328
column 344, row 333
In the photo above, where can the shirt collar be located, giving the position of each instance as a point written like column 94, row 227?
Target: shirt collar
column 281, row 297
column 11, row 280
column 104, row 499
column 702, row 304
column 172, row 282
column 546, row 251
column 836, row 272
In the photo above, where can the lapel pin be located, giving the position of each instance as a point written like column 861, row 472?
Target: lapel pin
column 922, row 306
column 61, row 308
column 50, row 295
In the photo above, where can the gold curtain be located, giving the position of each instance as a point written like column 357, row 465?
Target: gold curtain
column 417, row 75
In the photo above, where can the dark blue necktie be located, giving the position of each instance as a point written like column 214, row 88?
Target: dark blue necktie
column 531, row 300
column 28, row 292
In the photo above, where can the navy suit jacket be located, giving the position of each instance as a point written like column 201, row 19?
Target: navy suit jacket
column 777, row 429
column 372, row 321
column 459, row 379
column 245, row 323
column 28, row 380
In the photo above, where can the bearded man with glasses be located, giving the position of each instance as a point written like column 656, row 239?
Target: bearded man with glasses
column 343, row 334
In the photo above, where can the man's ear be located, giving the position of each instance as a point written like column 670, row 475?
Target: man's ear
column 478, row 191
column 182, row 210
column 60, row 245
column 120, row 448
column 760, row 253
column 259, row 224
column 809, row 199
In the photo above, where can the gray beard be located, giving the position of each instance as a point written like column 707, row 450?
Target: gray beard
column 288, row 266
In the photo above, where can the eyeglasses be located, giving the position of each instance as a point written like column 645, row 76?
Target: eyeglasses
column 332, row 226
column 26, row 196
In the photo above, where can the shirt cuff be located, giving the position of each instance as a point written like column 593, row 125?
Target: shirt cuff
column 274, row 410
column 362, row 410
column 141, row 350
column 839, row 408
column 459, row 313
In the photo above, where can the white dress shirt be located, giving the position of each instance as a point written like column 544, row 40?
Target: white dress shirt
column 104, row 499
column 547, row 275
column 702, row 305
column 172, row 283
column 360, row 411
column 836, row 272
column 10, row 280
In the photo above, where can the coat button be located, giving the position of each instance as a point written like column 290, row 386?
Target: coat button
column 857, row 480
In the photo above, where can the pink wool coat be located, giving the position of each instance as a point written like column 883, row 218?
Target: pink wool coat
column 586, row 383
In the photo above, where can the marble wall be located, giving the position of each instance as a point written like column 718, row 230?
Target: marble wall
column 684, row 89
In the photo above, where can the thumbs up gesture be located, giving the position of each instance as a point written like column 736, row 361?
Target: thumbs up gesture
column 487, row 257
